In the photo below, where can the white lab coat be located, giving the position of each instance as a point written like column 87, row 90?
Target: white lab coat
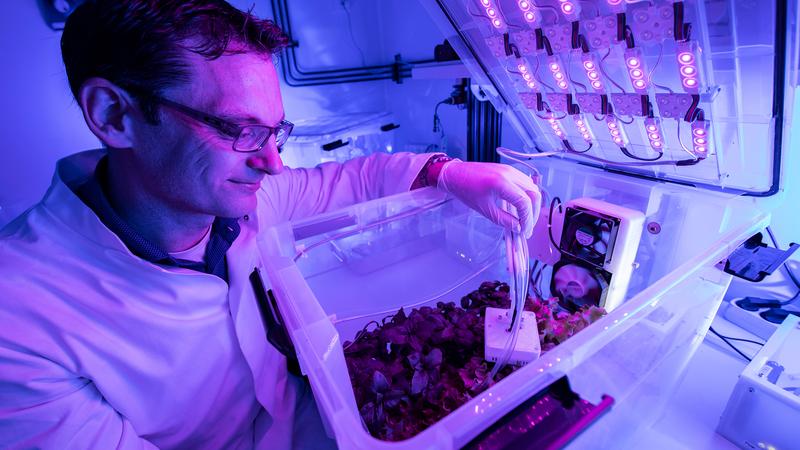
column 101, row 349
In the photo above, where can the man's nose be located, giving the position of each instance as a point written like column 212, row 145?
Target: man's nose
column 267, row 159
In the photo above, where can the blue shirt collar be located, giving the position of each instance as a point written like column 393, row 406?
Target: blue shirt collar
column 223, row 231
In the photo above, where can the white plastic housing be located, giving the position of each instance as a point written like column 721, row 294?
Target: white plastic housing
column 622, row 251
column 495, row 328
column 761, row 414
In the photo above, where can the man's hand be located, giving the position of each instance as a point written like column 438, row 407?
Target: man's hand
column 481, row 186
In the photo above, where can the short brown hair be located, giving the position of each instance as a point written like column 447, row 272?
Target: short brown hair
column 137, row 44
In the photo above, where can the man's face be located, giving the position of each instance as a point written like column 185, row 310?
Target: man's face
column 189, row 167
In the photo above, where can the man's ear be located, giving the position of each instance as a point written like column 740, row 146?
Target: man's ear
column 109, row 112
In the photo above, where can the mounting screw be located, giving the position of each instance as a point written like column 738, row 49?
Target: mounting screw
column 654, row 227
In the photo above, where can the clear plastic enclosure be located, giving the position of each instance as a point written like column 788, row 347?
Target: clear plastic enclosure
column 335, row 273
column 337, row 138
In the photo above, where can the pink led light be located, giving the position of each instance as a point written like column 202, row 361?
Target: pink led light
column 522, row 68
column 614, row 132
column 597, row 85
column 558, row 76
column 636, row 73
column 639, row 84
column 690, row 82
column 485, row 2
column 654, row 136
column 633, row 62
column 523, row 5
column 593, row 75
column 700, row 149
column 656, row 144
column 612, row 125
column 652, row 128
column 562, row 84
column 531, row 85
column 700, row 141
column 497, row 23
column 699, row 132
column 554, row 67
column 567, row 8
column 491, row 12
column 586, row 136
column 618, row 140
column 529, row 16
column 685, row 57
column 588, row 65
column 527, row 77
column 579, row 122
column 688, row 71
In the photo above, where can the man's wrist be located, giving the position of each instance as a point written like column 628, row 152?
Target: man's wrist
column 429, row 174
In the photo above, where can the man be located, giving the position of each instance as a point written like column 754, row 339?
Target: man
column 128, row 320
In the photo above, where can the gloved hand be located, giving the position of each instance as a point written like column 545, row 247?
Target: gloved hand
column 481, row 186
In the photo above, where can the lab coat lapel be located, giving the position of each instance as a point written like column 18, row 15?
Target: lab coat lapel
column 268, row 365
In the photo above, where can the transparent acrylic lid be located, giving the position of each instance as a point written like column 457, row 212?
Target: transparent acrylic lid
column 340, row 126
column 703, row 84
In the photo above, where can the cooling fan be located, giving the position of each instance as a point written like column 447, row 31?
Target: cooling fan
column 577, row 285
column 588, row 236
column 598, row 244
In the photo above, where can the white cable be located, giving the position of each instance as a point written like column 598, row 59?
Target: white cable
column 534, row 171
column 681, row 141
column 519, row 262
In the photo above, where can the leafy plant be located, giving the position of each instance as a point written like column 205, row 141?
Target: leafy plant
column 412, row 370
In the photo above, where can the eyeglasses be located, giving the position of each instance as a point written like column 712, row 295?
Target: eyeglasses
column 247, row 138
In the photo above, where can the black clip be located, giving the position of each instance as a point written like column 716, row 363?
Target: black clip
column 754, row 259
column 277, row 334
column 334, row 145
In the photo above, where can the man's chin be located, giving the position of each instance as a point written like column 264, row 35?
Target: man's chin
column 238, row 207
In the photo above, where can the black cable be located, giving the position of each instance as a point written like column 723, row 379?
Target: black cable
column 531, row 278
column 550, row 221
column 629, row 37
column 789, row 272
column 743, row 340
column 725, row 340
column 572, row 150
column 569, row 75
column 620, row 119
column 638, row 158
column 678, row 162
column 548, row 48
column 437, row 123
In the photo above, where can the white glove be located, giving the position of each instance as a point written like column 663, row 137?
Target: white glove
column 481, row 186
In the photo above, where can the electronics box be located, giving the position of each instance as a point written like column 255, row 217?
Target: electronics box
column 338, row 138
column 764, row 409
column 687, row 127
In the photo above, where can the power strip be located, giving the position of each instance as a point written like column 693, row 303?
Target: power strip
column 747, row 320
